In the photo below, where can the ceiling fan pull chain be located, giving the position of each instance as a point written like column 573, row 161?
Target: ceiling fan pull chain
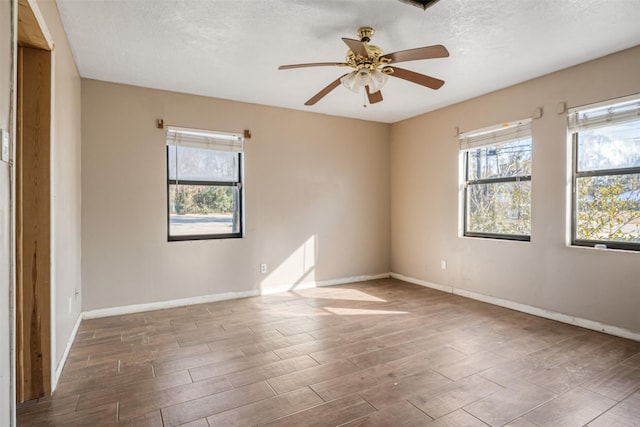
column 364, row 98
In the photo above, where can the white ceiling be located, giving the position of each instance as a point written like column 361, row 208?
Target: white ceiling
column 231, row 49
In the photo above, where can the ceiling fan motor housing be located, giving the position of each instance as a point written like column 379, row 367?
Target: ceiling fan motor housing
column 372, row 61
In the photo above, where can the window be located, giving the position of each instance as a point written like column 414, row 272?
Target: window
column 204, row 184
column 497, row 181
column 606, row 175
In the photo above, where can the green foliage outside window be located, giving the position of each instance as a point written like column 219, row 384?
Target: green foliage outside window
column 498, row 195
column 503, row 208
column 204, row 200
column 608, row 208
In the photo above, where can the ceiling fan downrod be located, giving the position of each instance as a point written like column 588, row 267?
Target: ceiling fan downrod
column 365, row 34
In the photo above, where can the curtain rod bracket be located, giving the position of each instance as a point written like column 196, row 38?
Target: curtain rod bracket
column 537, row 113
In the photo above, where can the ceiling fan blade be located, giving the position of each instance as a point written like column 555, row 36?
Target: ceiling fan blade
column 356, row 46
column 313, row 64
column 373, row 97
column 427, row 52
column 413, row 77
column 331, row 86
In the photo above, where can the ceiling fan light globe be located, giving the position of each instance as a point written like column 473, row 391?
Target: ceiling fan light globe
column 354, row 81
column 377, row 80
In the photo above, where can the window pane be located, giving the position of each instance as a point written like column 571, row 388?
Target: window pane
column 608, row 208
column 499, row 208
column 203, row 210
column 199, row 164
column 610, row 147
column 505, row 160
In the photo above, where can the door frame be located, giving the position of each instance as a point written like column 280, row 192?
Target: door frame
column 32, row 205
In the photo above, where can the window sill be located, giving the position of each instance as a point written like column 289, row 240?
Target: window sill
column 604, row 249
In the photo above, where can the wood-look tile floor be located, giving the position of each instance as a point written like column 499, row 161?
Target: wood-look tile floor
column 376, row 353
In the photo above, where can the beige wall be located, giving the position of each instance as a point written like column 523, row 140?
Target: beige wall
column 317, row 199
column 65, row 187
column 603, row 286
column 6, row 317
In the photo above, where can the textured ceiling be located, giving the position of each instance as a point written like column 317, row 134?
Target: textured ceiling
column 231, row 49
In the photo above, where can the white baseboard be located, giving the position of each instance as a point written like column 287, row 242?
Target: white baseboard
column 139, row 308
column 536, row 311
column 65, row 354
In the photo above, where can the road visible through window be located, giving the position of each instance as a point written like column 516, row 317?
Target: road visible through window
column 184, row 225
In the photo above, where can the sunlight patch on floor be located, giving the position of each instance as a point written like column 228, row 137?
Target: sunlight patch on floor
column 339, row 294
column 360, row 311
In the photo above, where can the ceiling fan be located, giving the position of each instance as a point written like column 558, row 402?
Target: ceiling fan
column 372, row 67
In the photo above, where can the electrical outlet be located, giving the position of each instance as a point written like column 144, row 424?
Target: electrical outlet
column 263, row 268
column 70, row 304
column 443, row 264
